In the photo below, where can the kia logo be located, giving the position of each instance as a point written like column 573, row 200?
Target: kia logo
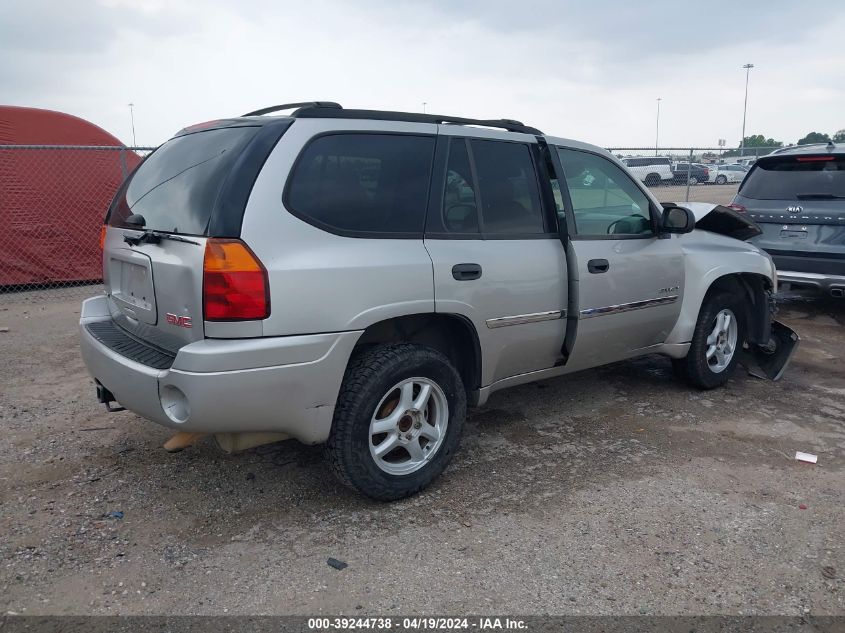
column 795, row 209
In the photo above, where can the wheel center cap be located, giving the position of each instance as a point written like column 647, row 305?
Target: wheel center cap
column 405, row 423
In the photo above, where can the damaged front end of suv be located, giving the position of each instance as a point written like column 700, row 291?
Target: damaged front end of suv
column 771, row 343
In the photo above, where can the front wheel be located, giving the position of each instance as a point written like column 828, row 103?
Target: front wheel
column 721, row 180
column 397, row 422
column 716, row 342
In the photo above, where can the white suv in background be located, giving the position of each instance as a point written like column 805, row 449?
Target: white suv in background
column 651, row 170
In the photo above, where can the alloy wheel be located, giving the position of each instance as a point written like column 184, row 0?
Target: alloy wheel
column 408, row 426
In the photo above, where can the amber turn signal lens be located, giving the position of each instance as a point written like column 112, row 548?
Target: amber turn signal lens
column 235, row 284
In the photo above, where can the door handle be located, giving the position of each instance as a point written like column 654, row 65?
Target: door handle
column 598, row 266
column 466, row 272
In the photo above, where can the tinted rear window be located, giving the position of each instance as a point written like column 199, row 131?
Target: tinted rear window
column 176, row 187
column 791, row 178
column 510, row 196
column 363, row 183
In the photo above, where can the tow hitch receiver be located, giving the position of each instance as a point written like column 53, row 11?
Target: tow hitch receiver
column 106, row 397
column 770, row 361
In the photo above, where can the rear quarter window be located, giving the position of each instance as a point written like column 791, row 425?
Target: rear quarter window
column 796, row 178
column 363, row 185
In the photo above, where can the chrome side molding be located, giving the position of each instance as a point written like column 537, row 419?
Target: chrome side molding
column 521, row 319
column 627, row 307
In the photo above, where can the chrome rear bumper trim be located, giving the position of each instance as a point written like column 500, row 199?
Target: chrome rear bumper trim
column 789, row 275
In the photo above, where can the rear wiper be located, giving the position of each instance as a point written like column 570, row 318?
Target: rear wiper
column 819, row 196
column 154, row 237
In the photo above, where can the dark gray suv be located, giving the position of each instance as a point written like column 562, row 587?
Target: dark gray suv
column 797, row 197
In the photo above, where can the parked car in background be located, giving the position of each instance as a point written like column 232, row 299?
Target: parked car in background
column 650, row 170
column 359, row 278
column 724, row 174
column 695, row 174
column 797, row 197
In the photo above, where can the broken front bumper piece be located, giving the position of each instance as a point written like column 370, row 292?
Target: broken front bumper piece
column 770, row 361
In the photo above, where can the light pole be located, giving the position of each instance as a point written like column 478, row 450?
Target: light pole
column 424, row 104
column 132, row 118
column 657, row 127
column 748, row 68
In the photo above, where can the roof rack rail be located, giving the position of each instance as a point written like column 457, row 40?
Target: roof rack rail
column 291, row 106
column 317, row 111
column 332, row 110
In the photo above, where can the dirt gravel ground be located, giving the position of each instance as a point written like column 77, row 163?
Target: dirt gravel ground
column 613, row 491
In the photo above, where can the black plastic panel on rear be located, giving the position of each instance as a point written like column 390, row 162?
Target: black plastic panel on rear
column 119, row 341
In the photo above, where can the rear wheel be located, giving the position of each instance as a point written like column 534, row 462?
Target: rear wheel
column 398, row 420
column 652, row 180
column 721, row 180
column 693, row 180
column 718, row 337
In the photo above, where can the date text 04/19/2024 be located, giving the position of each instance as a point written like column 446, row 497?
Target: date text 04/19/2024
column 416, row 624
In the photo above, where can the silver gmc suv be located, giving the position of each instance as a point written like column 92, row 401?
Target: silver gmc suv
column 358, row 278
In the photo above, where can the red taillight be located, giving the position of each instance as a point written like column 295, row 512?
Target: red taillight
column 102, row 237
column 234, row 283
column 737, row 207
column 813, row 159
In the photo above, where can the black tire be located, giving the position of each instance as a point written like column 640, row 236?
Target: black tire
column 721, row 180
column 693, row 180
column 695, row 368
column 652, row 180
column 367, row 381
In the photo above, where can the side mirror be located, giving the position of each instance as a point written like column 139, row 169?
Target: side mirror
column 677, row 220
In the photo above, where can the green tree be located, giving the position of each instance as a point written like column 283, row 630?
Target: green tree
column 814, row 137
column 752, row 143
column 839, row 137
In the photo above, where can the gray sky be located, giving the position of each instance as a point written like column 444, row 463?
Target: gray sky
column 587, row 70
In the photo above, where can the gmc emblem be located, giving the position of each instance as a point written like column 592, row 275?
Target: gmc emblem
column 181, row 321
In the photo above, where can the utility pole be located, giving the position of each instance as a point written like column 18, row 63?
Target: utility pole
column 748, row 68
column 132, row 118
column 657, row 127
column 424, row 104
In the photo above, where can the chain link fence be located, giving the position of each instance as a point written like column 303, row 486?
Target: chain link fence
column 690, row 174
column 53, row 199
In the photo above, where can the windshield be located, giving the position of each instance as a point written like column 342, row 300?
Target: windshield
column 796, row 178
column 176, row 187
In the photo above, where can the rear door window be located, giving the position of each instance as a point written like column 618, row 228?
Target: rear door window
column 796, row 178
column 507, row 184
column 460, row 210
column 176, row 187
column 363, row 185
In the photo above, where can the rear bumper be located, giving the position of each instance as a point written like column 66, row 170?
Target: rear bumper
column 825, row 283
column 278, row 384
